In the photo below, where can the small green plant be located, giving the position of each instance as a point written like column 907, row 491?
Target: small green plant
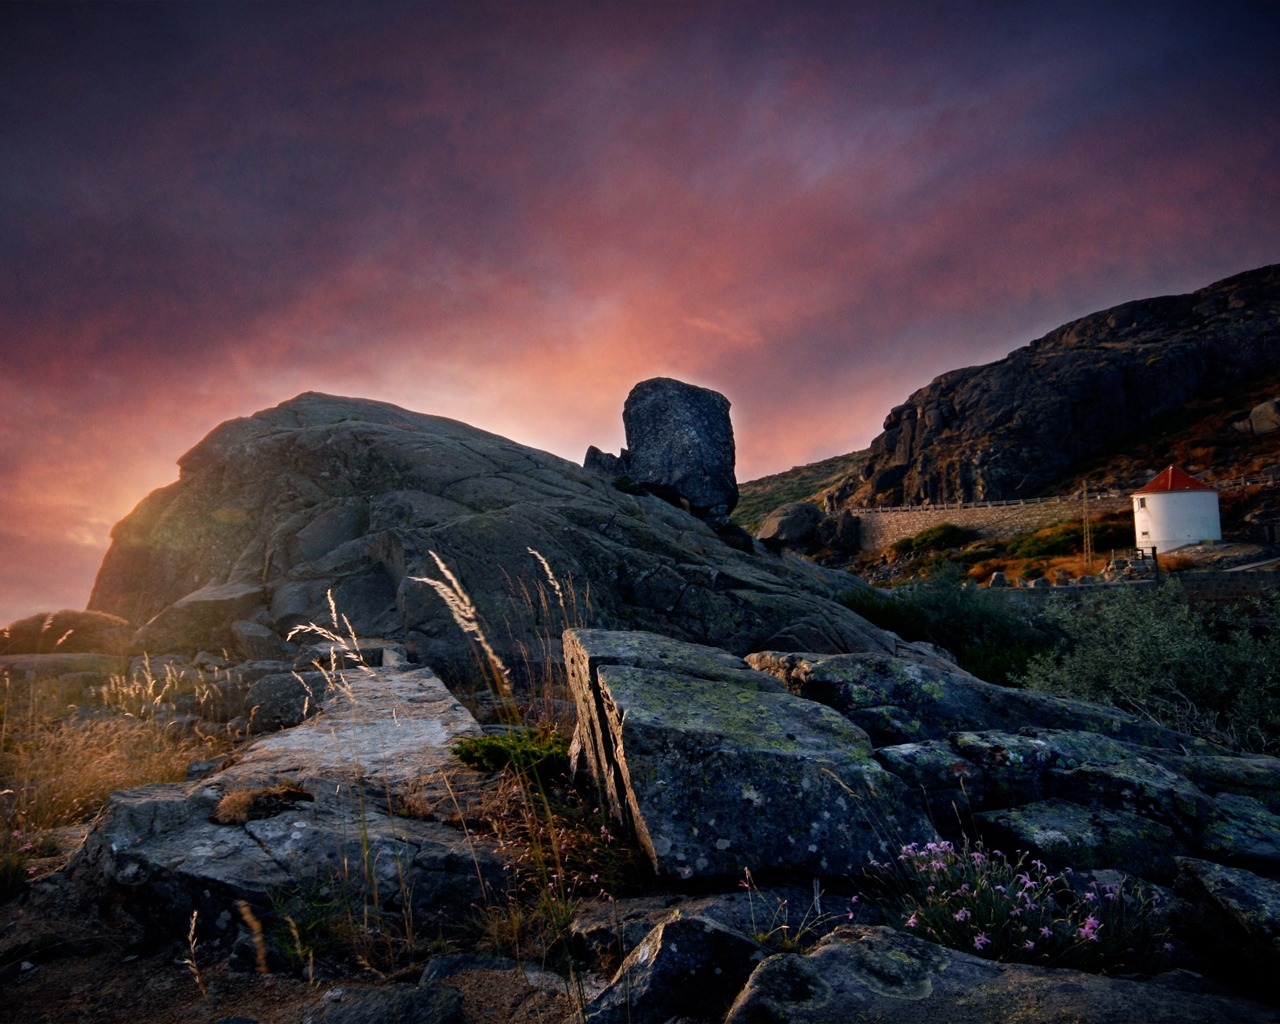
column 778, row 931
column 540, row 752
column 1017, row 910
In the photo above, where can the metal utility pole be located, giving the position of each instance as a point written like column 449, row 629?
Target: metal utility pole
column 1088, row 533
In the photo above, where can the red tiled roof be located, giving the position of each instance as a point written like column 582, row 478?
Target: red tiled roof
column 1173, row 479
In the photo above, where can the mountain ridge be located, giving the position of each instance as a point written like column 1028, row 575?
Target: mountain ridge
column 1021, row 425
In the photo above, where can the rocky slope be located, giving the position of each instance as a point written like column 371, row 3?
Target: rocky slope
column 794, row 764
column 324, row 496
column 1017, row 426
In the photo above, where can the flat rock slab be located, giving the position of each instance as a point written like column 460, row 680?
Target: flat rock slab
column 1084, row 837
column 900, row 701
column 1233, row 909
column 713, row 769
column 891, row 977
column 315, row 808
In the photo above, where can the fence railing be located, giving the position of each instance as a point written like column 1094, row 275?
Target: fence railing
column 1270, row 479
column 1062, row 499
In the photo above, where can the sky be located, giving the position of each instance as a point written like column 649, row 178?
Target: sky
column 509, row 214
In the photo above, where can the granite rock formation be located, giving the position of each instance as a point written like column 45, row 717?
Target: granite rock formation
column 1010, row 428
column 679, row 447
column 348, row 498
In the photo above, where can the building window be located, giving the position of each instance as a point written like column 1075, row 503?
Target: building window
column 1142, row 503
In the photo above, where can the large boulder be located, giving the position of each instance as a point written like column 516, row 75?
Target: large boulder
column 1263, row 418
column 328, row 505
column 679, row 447
column 680, row 444
column 890, row 976
column 714, row 767
column 793, row 525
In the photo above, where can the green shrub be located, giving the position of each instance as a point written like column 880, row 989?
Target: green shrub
column 1067, row 538
column 1214, row 673
column 541, row 754
column 983, row 903
column 942, row 537
column 990, row 636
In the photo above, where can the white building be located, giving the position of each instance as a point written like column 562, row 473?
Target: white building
column 1174, row 510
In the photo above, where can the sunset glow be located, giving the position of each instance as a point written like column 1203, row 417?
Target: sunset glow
column 509, row 214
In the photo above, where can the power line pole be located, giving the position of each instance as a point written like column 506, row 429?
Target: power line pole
column 1088, row 533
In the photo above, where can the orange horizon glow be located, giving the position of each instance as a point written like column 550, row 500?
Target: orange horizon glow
column 510, row 217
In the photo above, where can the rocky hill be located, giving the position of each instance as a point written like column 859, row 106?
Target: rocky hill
column 345, row 822
column 1093, row 388
column 325, row 498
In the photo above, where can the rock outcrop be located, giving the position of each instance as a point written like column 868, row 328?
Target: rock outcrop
column 335, row 498
column 1010, row 428
column 679, row 447
column 887, row 975
column 713, row 766
column 321, row 806
column 67, row 632
column 1071, row 782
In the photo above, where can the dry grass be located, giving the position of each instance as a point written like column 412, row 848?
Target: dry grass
column 61, row 772
column 242, row 805
column 63, row 751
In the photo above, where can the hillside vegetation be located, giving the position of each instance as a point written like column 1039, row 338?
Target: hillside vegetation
column 1168, row 378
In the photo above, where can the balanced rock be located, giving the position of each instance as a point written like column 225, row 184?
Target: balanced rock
column 680, row 445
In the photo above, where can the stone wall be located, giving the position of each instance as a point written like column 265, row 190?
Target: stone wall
column 880, row 527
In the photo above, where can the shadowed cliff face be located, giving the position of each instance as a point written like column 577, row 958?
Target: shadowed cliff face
column 1008, row 429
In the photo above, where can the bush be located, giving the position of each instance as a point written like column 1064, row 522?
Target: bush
column 986, row 904
column 541, row 754
column 942, row 537
column 1213, row 673
column 1067, row 538
column 991, row 637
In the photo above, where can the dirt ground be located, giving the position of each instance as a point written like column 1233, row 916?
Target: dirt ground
column 66, row 961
